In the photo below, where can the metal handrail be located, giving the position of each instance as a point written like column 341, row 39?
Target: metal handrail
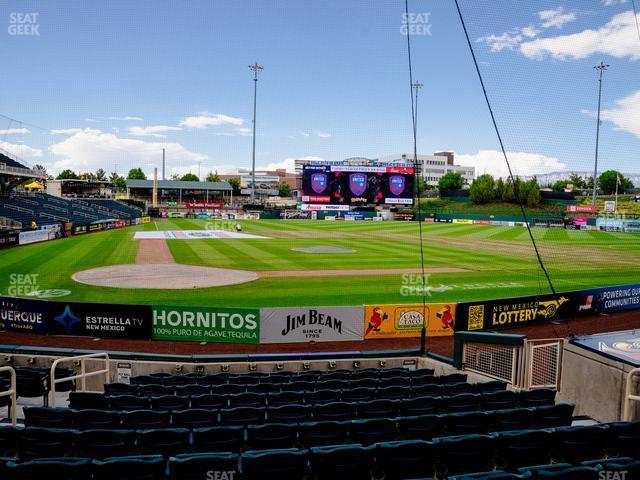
column 11, row 392
column 628, row 398
column 83, row 373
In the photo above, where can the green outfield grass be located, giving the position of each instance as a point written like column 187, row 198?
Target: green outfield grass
column 500, row 262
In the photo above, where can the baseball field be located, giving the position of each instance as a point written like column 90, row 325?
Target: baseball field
column 303, row 262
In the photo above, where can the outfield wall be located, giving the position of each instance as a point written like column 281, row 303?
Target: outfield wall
column 304, row 324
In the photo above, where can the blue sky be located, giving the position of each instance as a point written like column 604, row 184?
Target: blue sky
column 111, row 83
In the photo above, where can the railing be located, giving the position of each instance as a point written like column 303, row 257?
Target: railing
column 628, row 397
column 82, row 376
column 543, row 361
column 12, row 392
column 514, row 359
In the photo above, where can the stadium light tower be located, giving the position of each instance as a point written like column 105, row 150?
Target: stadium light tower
column 600, row 68
column 416, row 86
column 256, row 69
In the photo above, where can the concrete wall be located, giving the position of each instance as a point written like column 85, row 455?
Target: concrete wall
column 596, row 384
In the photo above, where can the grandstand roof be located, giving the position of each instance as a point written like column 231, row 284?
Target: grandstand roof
column 180, row 185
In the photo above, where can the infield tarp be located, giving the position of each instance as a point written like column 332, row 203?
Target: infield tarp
column 320, row 324
column 21, row 315
column 100, row 320
column 204, row 324
column 405, row 321
column 515, row 312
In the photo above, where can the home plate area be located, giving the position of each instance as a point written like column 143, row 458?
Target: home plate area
column 191, row 235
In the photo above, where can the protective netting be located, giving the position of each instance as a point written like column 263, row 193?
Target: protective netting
column 537, row 62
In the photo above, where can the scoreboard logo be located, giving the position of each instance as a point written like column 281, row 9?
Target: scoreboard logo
column 357, row 183
column 319, row 182
column 397, row 184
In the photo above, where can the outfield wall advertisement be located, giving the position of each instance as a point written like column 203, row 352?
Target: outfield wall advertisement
column 515, row 312
column 402, row 321
column 320, row 324
column 20, row 315
column 611, row 299
column 100, row 320
column 205, row 324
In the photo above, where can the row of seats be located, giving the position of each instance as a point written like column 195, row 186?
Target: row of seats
column 125, row 210
column 415, row 426
column 289, row 376
column 331, row 390
column 216, row 406
column 557, row 450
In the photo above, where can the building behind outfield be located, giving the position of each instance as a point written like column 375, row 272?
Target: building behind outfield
column 431, row 167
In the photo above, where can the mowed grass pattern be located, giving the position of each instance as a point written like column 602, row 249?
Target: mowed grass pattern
column 500, row 262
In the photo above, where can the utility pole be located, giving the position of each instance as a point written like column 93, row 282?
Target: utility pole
column 601, row 67
column 256, row 69
column 416, row 86
column 163, row 166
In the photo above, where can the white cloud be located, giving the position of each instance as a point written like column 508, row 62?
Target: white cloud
column 90, row 150
column 127, row 119
column 152, row 130
column 244, row 131
column 509, row 40
column 617, row 38
column 206, row 119
column 72, row 131
column 522, row 163
column 92, row 120
column 289, row 163
column 20, row 150
column 609, row 3
column 625, row 115
column 324, row 135
column 11, row 131
column 556, row 17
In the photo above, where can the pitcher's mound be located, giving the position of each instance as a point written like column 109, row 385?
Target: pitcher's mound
column 162, row 276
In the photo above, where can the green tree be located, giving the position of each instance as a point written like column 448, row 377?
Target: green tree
column 136, row 174
column 67, row 174
column 189, row 177
column 101, row 175
column 235, row 184
column 213, row 177
column 422, row 186
column 483, row 189
column 500, row 188
column 561, row 185
column 509, row 195
column 533, row 193
column 520, row 191
column 577, row 181
column 450, row 181
column 607, row 182
column 117, row 181
column 284, row 190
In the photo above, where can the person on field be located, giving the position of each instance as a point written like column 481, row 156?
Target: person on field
column 238, row 227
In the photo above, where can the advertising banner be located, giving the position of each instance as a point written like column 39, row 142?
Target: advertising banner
column 206, row 324
column 610, row 299
column 514, row 312
column 145, row 219
column 320, row 324
column 582, row 208
column 405, row 216
column 203, row 204
column 33, row 236
column 464, row 221
column 8, row 239
column 401, row 321
column 100, row 320
column 20, row 315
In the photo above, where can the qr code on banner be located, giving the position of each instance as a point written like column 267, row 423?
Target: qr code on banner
column 476, row 317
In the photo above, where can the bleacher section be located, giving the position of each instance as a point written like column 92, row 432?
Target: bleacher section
column 10, row 162
column 389, row 424
column 44, row 209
